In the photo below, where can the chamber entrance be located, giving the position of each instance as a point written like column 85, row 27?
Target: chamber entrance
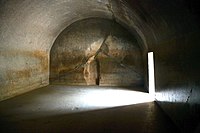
column 151, row 76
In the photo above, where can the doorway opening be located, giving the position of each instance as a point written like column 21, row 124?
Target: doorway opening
column 151, row 76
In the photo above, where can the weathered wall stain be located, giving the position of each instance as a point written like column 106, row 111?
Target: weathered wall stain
column 18, row 74
column 43, row 57
column 40, row 66
column 28, row 25
column 22, row 70
column 79, row 48
column 40, row 55
column 90, row 71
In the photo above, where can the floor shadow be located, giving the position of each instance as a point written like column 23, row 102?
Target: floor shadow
column 140, row 118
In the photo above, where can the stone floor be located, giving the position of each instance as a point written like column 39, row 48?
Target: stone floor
column 60, row 109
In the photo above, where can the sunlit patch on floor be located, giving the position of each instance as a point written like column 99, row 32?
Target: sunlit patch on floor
column 60, row 99
column 111, row 98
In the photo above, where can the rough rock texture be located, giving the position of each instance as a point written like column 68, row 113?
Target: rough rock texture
column 22, row 71
column 96, row 52
column 28, row 29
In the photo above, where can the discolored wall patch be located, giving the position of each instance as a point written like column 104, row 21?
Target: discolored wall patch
column 96, row 52
column 22, row 71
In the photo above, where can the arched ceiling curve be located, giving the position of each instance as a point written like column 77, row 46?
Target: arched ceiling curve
column 35, row 24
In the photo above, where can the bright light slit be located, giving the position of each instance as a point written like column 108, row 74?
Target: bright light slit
column 111, row 98
column 151, row 74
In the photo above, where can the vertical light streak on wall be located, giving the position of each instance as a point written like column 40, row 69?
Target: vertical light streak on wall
column 151, row 74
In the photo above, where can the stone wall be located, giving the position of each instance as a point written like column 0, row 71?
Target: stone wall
column 96, row 52
column 22, row 71
column 27, row 31
column 29, row 28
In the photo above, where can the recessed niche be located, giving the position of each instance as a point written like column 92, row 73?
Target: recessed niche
column 96, row 52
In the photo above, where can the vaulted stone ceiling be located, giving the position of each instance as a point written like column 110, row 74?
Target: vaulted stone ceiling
column 29, row 28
